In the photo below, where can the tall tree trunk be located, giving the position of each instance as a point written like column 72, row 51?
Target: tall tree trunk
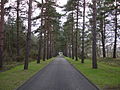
column 115, row 41
column 48, row 32
column 103, row 37
column 76, row 48
column 94, row 56
column 50, row 44
column 40, row 39
column 48, row 37
column 18, row 19
column 45, row 32
column 1, row 32
column 28, row 36
column 70, row 51
column 52, row 47
column 65, row 50
column 40, row 47
column 44, row 47
column 72, row 36
column 83, row 33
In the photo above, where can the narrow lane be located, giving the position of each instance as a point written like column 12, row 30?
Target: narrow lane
column 58, row 75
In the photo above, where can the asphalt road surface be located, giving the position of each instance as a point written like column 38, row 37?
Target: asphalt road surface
column 58, row 75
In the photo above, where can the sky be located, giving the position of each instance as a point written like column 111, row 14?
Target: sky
column 62, row 2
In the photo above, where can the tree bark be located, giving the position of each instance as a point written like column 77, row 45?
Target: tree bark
column 76, row 48
column 83, row 33
column 50, row 44
column 45, row 38
column 115, row 41
column 72, row 36
column 44, row 47
column 28, row 36
column 1, row 32
column 94, row 34
column 103, row 37
column 18, row 19
column 40, row 39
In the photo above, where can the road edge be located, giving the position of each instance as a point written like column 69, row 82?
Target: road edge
column 34, row 76
column 84, row 76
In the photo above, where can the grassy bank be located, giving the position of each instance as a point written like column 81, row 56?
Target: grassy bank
column 107, row 77
column 11, row 79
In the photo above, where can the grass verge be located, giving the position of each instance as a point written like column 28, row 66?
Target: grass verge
column 11, row 79
column 106, row 77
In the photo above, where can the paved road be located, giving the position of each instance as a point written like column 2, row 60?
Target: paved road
column 58, row 75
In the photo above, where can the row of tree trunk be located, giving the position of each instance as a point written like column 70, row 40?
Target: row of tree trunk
column 102, row 23
column 45, row 35
column 75, row 47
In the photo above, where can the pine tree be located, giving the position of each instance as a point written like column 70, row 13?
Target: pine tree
column 28, row 36
column 70, row 7
column 101, row 19
column 83, row 33
column 116, row 25
column 77, row 28
column 40, row 37
column 1, row 31
column 18, row 20
column 94, row 57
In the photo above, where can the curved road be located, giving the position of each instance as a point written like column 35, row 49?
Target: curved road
column 58, row 75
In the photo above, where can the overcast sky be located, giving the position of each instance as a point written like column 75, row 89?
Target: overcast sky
column 62, row 2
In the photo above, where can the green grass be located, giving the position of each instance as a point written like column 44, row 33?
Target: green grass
column 105, row 77
column 11, row 79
